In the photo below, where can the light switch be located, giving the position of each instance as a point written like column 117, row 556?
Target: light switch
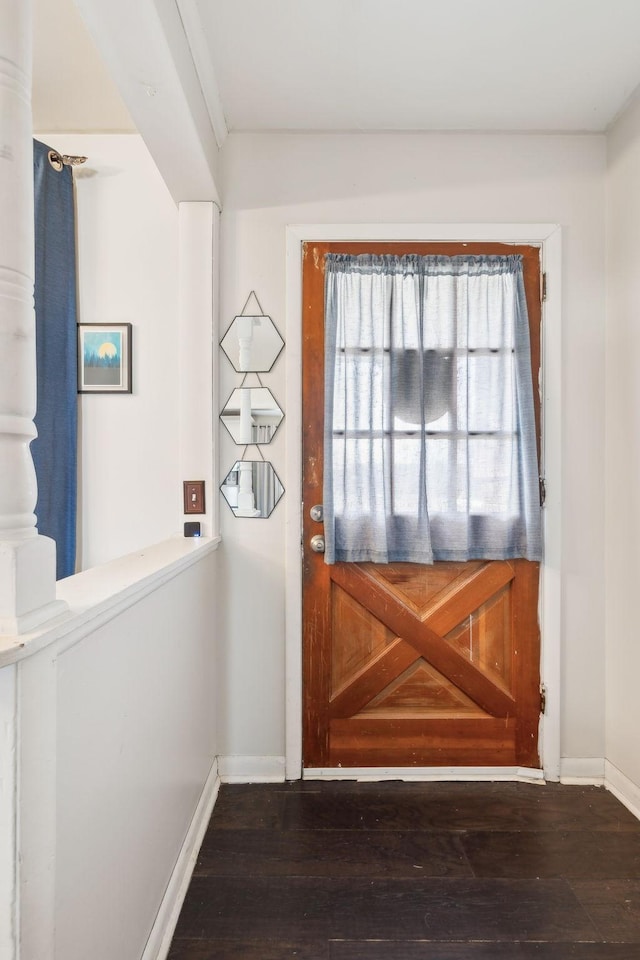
column 193, row 491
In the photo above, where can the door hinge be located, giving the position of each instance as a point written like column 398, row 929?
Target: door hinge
column 543, row 491
column 543, row 698
column 543, row 287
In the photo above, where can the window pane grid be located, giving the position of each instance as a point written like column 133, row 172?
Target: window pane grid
column 429, row 426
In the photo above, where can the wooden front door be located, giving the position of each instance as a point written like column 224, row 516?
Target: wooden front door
column 407, row 664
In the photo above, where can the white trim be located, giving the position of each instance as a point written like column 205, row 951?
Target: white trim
column 582, row 770
column 423, row 774
column 102, row 593
column 203, row 64
column 198, row 264
column 159, row 942
column 549, row 236
column 241, row 769
column 153, row 68
column 551, row 469
column 622, row 787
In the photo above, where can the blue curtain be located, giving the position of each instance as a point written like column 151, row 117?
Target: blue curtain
column 54, row 449
column 430, row 442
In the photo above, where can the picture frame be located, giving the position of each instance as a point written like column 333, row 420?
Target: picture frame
column 104, row 358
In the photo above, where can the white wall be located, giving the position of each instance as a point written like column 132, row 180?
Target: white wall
column 130, row 491
column 275, row 180
column 117, row 744
column 623, row 445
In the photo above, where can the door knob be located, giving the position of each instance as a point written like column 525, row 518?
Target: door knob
column 317, row 513
column 317, row 543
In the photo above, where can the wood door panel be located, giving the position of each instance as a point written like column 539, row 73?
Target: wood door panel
column 368, row 638
column 391, row 611
column 406, row 664
column 485, row 639
column 469, row 593
column 421, row 691
column 455, row 741
column 381, row 670
column 420, row 593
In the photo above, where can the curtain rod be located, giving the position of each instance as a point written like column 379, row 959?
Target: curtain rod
column 58, row 160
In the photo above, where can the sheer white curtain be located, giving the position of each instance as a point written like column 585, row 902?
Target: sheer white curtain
column 430, row 441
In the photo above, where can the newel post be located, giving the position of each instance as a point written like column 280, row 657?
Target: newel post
column 27, row 560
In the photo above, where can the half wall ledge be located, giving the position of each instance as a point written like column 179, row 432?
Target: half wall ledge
column 96, row 596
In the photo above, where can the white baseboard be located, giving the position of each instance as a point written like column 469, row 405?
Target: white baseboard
column 624, row 789
column 582, row 770
column 159, row 942
column 422, row 773
column 251, row 769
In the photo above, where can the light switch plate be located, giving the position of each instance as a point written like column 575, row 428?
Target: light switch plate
column 193, row 491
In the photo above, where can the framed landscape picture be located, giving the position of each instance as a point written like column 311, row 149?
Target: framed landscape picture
column 104, row 358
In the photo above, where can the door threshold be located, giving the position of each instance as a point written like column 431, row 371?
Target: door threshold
column 523, row 774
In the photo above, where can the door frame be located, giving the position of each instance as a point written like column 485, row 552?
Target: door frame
column 548, row 237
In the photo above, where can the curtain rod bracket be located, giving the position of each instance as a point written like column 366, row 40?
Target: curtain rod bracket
column 60, row 160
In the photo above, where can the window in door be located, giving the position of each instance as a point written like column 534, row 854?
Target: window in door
column 430, row 434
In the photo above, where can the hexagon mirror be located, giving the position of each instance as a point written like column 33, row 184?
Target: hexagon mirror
column 252, row 489
column 251, row 415
column 252, row 344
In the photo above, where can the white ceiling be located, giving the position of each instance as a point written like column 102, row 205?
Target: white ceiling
column 423, row 64
column 348, row 65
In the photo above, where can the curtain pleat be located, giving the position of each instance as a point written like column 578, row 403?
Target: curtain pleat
column 266, row 487
column 430, row 440
column 54, row 449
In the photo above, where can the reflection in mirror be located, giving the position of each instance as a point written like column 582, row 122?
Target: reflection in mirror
column 252, row 488
column 251, row 415
column 252, row 344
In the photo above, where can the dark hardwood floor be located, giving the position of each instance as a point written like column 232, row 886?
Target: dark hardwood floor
column 414, row 871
